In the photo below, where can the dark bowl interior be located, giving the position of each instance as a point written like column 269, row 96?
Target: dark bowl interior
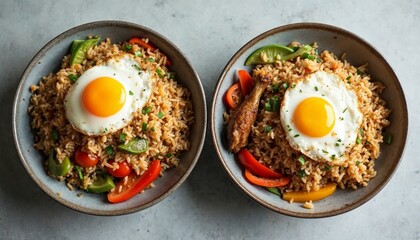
column 358, row 51
column 48, row 60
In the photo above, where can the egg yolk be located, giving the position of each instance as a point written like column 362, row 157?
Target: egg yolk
column 314, row 117
column 104, row 96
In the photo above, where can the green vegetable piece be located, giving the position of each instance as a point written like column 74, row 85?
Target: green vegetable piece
column 57, row 168
column 135, row 146
column 79, row 53
column 122, row 137
column 73, row 78
column 160, row 115
column 388, row 139
column 274, row 190
column 109, row 150
column 79, row 172
column 74, row 45
column 103, row 183
column 271, row 54
column 267, row 128
column 300, row 51
column 301, row 159
column 55, row 135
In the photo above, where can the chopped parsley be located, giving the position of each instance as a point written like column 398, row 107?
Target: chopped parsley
column 341, row 118
column 337, row 144
column 327, row 168
column 293, row 85
column 333, row 157
column 357, row 163
column 152, row 129
column 146, row 110
column 289, row 128
column 137, row 67
column 297, row 135
column 73, row 78
column 358, row 140
column 160, row 115
column 267, row 128
column 131, row 93
column 316, row 88
column 109, row 150
column 344, row 110
column 151, row 60
column 275, row 88
column 324, row 151
column 348, row 77
column 169, row 155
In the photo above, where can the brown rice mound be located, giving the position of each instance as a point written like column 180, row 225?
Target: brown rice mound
column 274, row 150
column 167, row 136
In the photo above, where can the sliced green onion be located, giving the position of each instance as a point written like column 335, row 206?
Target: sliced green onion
column 144, row 127
column 169, row 155
column 73, row 78
column 285, row 85
column 301, row 173
column 127, row 47
column 137, row 67
column 333, row 157
column 109, row 150
column 122, row 137
column 327, row 168
column 159, row 72
column 297, row 135
column 358, row 140
column 275, row 88
column 131, row 93
column 357, row 163
column 324, row 151
column 316, row 88
column 151, row 60
column 54, row 134
column 344, row 110
column 146, row 110
column 301, row 159
column 267, row 128
column 160, row 115
column 138, row 54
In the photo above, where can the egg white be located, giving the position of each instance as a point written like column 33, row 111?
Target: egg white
column 348, row 118
column 138, row 87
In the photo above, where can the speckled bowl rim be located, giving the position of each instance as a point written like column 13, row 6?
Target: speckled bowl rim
column 43, row 51
column 218, row 145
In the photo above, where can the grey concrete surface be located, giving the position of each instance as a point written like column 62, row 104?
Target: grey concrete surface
column 208, row 205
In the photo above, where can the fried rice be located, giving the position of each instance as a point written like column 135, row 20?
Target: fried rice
column 167, row 134
column 273, row 149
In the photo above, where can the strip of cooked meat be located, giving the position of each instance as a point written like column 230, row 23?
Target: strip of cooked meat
column 242, row 119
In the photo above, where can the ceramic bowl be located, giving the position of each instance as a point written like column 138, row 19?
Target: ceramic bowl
column 48, row 60
column 358, row 51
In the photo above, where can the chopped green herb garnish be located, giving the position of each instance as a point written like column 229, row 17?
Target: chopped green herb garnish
column 348, row 77
column 295, row 48
column 152, row 129
column 267, row 128
column 169, row 155
column 341, row 168
column 122, row 137
column 358, row 140
column 144, row 127
column 360, row 72
column 388, row 139
column 301, row 173
column 341, row 118
column 301, row 159
column 73, row 78
column 318, row 60
column 289, row 128
column 300, row 90
column 160, row 115
column 171, row 75
column 159, row 72
column 357, row 163
column 106, row 130
column 339, row 140
column 344, row 110
column 293, row 85
column 333, row 157
column 151, row 60
column 324, row 151
column 316, row 88
column 146, row 110
column 127, row 47
column 131, row 93
column 337, row 144
column 285, row 85
column 138, row 54
column 267, row 106
column 109, row 150
column 327, row 168
column 297, row 135
column 361, row 132
column 275, row 88
column 272, row 104
column 305, row 55
column 79, row 172
column 54, row 134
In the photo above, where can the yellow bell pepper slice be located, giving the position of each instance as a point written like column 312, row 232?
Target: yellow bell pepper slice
column 305, row 196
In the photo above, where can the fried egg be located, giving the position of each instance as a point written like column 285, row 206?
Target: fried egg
column 104, row 98
column 321, row 117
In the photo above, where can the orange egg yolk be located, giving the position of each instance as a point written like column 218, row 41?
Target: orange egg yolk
column 104, row 96
column 314, row 117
